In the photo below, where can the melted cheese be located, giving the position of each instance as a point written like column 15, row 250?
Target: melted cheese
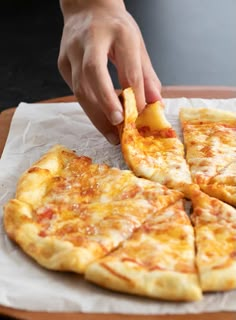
column 101, row 204
column 79, row 211
column 153, row 117
column 210, row 139
column 154, row 153
column 215, row 232
column 165, row 241
column 157, row 257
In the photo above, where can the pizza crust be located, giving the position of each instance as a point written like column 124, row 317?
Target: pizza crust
column 167, row 285
column 192, row 115
column 33, row 183
column 50, row 252
column 222, row 279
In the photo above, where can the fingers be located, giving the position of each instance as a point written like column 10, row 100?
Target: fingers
column 135, row 70
column 92, row 106
column 84, row 74
column 94, row 66
column 129, row 69
column 152, row 84
column 64, row 65
column 100, row 121
column 65, row 70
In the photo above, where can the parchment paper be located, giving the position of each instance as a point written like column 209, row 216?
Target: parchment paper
column 26, row 285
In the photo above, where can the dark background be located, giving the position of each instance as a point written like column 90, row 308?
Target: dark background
column 190, row 43
column 30, row 33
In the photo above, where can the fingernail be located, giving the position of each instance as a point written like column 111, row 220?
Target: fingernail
column 116, row 117
column 113, row 138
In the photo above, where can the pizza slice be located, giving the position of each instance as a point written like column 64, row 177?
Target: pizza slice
column 210, row 140
column 150, row 146
column 68, row 211
column 157, row 261
column 215, row 232
column 223, row 185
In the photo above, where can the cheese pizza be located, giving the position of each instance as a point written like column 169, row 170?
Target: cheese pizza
column 215, row 232
column 68, row 212
column 150, row 146
column 127, row 231
column 157, row 261
column 210, row 139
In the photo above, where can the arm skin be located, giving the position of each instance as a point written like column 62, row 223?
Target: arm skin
column 95, row 31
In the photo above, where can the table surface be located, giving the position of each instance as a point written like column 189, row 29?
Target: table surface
column 167, row 92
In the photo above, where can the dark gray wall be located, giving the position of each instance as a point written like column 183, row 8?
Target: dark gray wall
column 191, row 42
column 30, row 33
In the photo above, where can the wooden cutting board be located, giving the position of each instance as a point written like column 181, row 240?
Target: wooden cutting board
column 168, row 92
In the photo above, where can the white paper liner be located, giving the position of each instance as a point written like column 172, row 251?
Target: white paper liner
column 23, row 283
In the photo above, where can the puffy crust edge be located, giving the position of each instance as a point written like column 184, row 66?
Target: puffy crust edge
column 18, row 220
column 49, row 252
column 218, row 279
column 206, row 115
column 33, row 183
column 168, row 285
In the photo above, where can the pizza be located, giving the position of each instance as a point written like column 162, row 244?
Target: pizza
column 215, row 229
column 210, row 140
column 128, row 230
column 150, row 146
column 68, row 212
column 157, row 261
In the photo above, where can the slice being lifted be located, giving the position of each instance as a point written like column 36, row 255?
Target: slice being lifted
column 215, row 231
column 210, row 139
column 157, row 261
column 150, row 146
column 69, row 212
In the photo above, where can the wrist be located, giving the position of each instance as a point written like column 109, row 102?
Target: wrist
column 69, row 7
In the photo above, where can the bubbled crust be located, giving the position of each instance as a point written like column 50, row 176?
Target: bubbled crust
column 19, row 221
column 33, row 183
column 31, row 188
column 167, row 285
column 21, row 226
column 194, row 115
column 51, row 253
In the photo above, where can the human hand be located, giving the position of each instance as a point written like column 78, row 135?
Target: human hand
column 95, row 31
